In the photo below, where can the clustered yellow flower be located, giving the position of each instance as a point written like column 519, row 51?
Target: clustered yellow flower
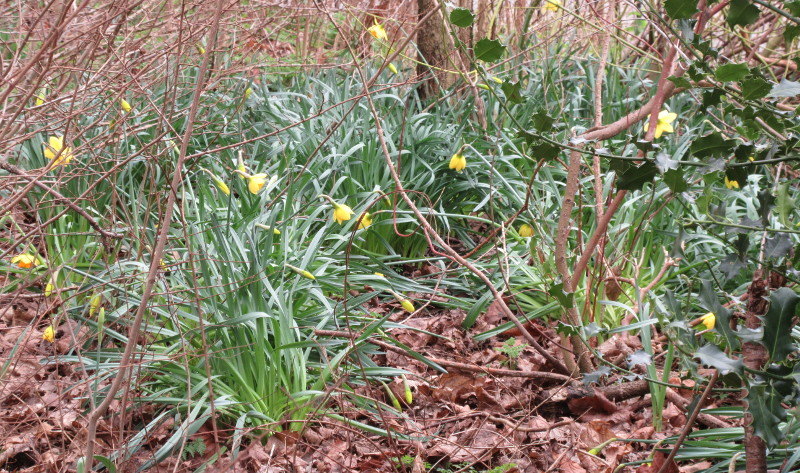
column 458, row 162
column 26, row 260
column 56, row 152
column 664, row 125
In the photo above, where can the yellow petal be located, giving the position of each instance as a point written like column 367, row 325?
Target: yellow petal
column 525, row 231
column 256, row 182
column 341, row 213
column 126, row 107
column 551, row 5
column 49, row 334
column 378, row 32
column 366, row 221
column 458, row 162
column 731, row 184
column 709, row 320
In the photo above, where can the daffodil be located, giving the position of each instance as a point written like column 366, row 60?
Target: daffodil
column 56, row 152
column 664, row 125
column 301, row 272
column 709, row 320
column 26, row 260
column 366, row 221
column 49, row 334
column 458, row 162
column 392, row 68
column 48, row 289
column 525, row 231
column 341, row 212
column 256, row 182
column 275, row 231
column 731, row 184
column 407, row 305
column 551, row 5
column 200, row 49
column 220, row 184
column 40, row 96
column 378, row 32
column 248, row 93
column 126, row 107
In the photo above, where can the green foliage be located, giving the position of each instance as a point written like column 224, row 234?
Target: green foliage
column 512, row 350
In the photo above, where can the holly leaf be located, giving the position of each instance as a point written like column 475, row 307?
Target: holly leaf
column 680, row 82
column 712, row 144
column 777, row 324
column 634, row 178
column 512, row 91
column 680, row 9
column 462, row 17
column 767, row 413
column 566, row 299
column 639, row 357
column 785, row 88
column 765, row 202
column 742, row 12
column 675, row 181
column 755, row 87
column 712, row 356
column 731, row 72
column 489, row 50
column 777, row 247
column 544, row 151
column 594, row 376
column 542, row 121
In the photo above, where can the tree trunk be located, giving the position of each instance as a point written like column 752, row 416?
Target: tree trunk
column 435, row 50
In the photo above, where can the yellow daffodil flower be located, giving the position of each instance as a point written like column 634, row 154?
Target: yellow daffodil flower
column 40, row 96
column 525, row 231
column 709, row 320
column 55, row 151
column 664, row 125
column 126, row 107
column 26, row 260
column 256, row 182
column 551, row 5
column 378, row 32
column 49, row 334
column 731, row 184
column 366, row 221
column 220, row 184
column 341, row 212
column 458, row 162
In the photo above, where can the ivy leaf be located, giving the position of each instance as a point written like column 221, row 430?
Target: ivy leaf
column 785, row 88
column 634, row 178
column 777, row 324
column 742, row 12
column 723, row 315
column 711, row 145
column 767, row 413
column 680, row 9
column 489, row 50
column 731, row 72
column 777, row 247
column 594, row 376
column 462, row 17
column 712, row 356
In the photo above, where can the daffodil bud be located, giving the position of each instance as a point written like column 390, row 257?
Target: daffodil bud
column 407, row 388
column 248, row 93
column 48, row 290
column 267, row 227
column 301, row 272
column 392, row 397
column 126, row 107
column 94, row 304
column 392, row 68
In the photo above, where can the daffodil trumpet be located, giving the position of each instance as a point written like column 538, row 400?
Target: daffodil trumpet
column 255, row 182
column 341, row 212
